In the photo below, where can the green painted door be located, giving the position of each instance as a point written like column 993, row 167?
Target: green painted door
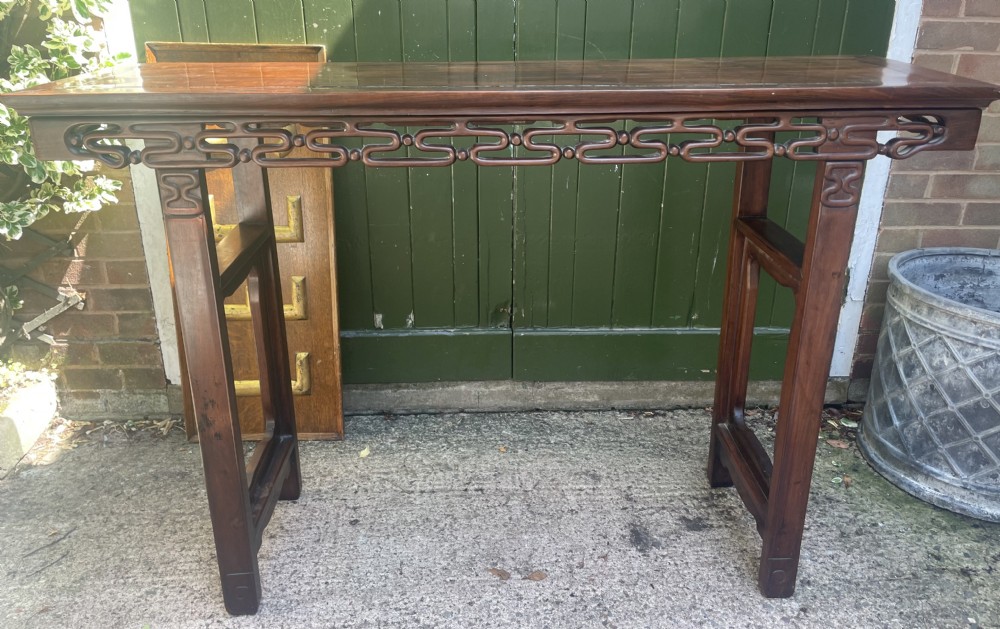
column 569, row 272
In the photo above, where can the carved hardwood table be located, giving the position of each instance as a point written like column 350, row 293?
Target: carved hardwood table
column 838, row 112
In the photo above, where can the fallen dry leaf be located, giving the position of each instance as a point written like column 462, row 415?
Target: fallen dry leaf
column 502, row 449
column 848, row 481
column 499, row 573
column 537, row 575
column 364, row 452
column 838, row 443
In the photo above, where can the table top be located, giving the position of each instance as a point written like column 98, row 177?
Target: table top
column 504, row 88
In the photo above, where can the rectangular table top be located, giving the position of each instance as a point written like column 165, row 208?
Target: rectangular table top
column 505, row 88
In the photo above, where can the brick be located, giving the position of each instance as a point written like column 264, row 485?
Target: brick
column 140, row 325
column 143, row 378
column 81, row 355
column 77, row 273
column 59, row 224
column 942, row 8
column 81, row 404
column 86, row 379
column 943, row 62
column 982, row 8
column 989, row 131
column 121, row 217
column 876, row 292
column 139, row 403
column 867, row 343
column 175, row 399
column 862, row 368
column 982, row 214
column 130, row 354
column 936, row 161
column 82, row 326
column 34, row 353
column 985, row 186
column 880, row 266
column 906, row 186
column 871, row 318
column 17, row 252
column 940, row 35
column 988, row 155
column 961, row 237
column 985, row 67
column 909, row 213
column 120, row 300
column 893, row 240
column 113, row 246
column 126, row 272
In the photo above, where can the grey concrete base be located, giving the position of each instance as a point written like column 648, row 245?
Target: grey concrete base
column 857, row 390
column 444, row 397
column 505, row 395
column 611, row 512
column 23, row 419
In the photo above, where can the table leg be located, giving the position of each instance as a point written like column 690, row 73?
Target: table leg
column 753, row 180
column 188, row 224
column 272, row 359
column 807, row 367
column 253, row 205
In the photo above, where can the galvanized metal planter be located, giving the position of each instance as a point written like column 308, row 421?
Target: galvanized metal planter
column 932, row 421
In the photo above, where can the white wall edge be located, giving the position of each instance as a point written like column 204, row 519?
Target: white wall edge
column 902, row 43
column 120, row 38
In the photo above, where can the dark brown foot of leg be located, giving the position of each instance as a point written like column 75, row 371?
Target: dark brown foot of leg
column 241, row 592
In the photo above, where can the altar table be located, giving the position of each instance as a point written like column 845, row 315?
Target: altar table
column 836, row 111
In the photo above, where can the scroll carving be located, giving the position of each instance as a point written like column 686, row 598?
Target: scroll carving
column 180, row 193
column 842, row 184
column 503, row 142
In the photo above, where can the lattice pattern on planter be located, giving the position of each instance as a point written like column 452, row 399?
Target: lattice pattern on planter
column 935, row 400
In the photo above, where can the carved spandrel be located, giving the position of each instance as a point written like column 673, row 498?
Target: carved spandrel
column 181, row 193
column 842, row 184
column 691, row 137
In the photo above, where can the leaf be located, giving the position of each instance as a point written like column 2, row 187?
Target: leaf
column 848, row 481
column 502, row 449
column 81, row 11
column 499, row 573
column 364, row 452
column 848, row 423
column 838, row 443
column 537, row 575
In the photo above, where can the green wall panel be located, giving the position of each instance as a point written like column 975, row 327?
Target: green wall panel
column 534, row 254
column 425, row 355
column 575, row 354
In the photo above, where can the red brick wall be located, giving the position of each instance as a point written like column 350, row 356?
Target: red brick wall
column 109, row 351
column 942, row 199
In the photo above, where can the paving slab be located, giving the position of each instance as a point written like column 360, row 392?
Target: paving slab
column 584, row 519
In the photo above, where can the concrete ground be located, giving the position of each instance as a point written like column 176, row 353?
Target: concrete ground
column 479, row 520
